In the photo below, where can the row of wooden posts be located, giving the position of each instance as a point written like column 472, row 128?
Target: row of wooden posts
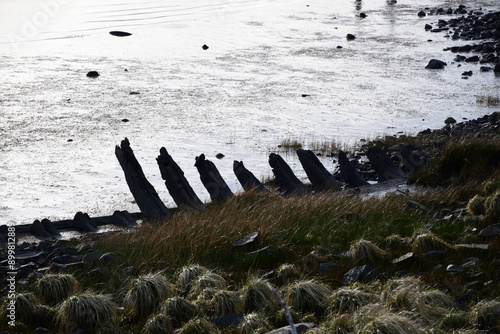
column 153, row 208
column 179, row 188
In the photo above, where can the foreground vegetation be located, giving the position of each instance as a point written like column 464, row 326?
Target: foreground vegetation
column 181, row 273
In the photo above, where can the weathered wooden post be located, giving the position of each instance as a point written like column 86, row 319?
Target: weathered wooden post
column 211, row 179
column 247, row 180
column 289, row 183
column 385, row 168
column 349, row 173
column 144, row 193
column 177, row 185
column 321, row 179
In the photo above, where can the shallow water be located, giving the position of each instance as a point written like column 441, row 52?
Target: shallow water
column 241, row 97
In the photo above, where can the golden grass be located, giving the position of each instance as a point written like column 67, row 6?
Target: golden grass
column 257, row 297
column 308, row 296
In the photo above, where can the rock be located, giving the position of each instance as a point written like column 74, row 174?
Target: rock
column 232, row 320
column 421, row 14
column 120, row 33
column 486, row 69
column 360, row 274
column 327, row 267
column 472, row 59
column 452, row 268
column 349, row 172
column 427, row 27
column 350, row 37
column 246, row 178
column 362, row 15
column 289, row 183
column 249, row 239
column 450, row 120
column 435, row 64
column 204, row 47
column 65, row 259
column 496, row 69
column 92, row 74
column 134, row 93
column 108, row 258
column 404, row 258
column 219, row 155
column 490, row 231
column 467, row 74
column 212, row 180
column 435, row 254
column 300, row 328
column 123, row 219
column 90, row 258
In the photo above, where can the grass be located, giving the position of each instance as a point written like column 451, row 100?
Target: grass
column 54, row 288
column 145, row 293
column 87, row 310
column 308, row 296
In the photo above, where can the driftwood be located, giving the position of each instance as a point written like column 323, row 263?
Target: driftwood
column 144, row 193
column 247, row 180
column 349, row 173
column 321, row 179
column 289, row 183
column 385, row 168
column 211, row 179
column 177, row 185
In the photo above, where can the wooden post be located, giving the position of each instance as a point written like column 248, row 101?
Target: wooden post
column 248, row 181
column 211, row 179
column 144, row 193
column 321, row 179
column 177, row 185
column 289, row 183
column 349, row 173
column 386, row 169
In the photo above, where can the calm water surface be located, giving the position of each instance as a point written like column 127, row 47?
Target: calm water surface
column 241, row 97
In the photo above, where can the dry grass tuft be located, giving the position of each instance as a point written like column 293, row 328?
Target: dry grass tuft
column 308, row 296
column 145, row 294
column 254, row 323
column 54, row 288
column 87, row 311
column 476, row 205
column 180, row 310
column 348, row 300
column 226, row 302
column 424, row 241
column 188, row 275
column 158, row 324
column 257, row 297
column 287, row 273
column 366, row 252
column 485, row 315
column 390, row 323
column 207, row 280
column 198, row 326
column 29, row 312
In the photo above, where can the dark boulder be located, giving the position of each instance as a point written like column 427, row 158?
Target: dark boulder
column 385, row 168
column 360, row 274
column 39, row 231
column 93, row 74
column 421, row 14
column 349, row 172
column 120, row 33
column 212, row 180
column 247, row 180
column 289, row 183
column 435, row 64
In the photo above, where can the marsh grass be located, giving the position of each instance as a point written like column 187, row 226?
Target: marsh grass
column 366, row 252
column 257, row 297
column 308, row 296
column 208, row 279
column 145, row 293
column 485, row 315
column 198, row 326
column 349, row 299
column 89, row 311
column 54, row 288
column 226, row 302
column 30, row 311
column 187, row 276
column 180, row 310
column 254, row 323
column 157, row 324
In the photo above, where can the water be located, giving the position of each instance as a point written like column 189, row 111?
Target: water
column 241, row 97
